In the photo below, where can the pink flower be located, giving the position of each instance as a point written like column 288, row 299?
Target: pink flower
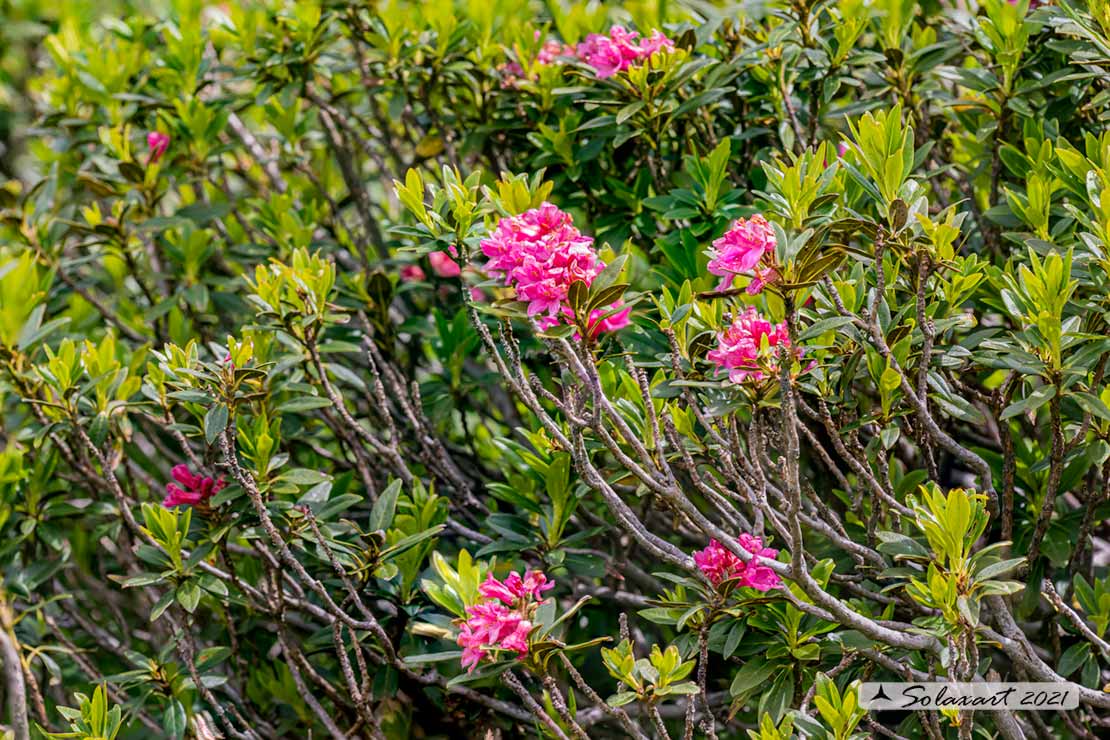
column 613, row 322
column 757, row 576
column 514, row 588
column 618, row 51
column 841, row 149
column 717, row 563
column 655, row 43
column 512, row 71
column 157, row 143
column 491, row 625
column 760, row 279
column 541, row 254
column 603, row 55
column 720, row 564
column 411, row 273
column 741, row 248
column 194, row 489
column 492, row 588
column 443, row 265
column 503, row 621
column 551, row 51
column 535, row 583
column 748, row 348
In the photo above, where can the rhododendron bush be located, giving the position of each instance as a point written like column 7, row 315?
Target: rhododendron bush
column 566, row 369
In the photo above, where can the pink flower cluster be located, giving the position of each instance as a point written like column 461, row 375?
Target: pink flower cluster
column 749, row 347
column 194, row 489
column 748, row 246
column 503, row 622
column 719, row 564
column 549, row 53
column 618, row 51
column 157, row 143
column 514, row 588
column 541, row 254
column 412, row 273
column 551, row 50
column 443, row 264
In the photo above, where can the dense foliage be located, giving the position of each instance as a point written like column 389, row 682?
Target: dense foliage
column 488, row 368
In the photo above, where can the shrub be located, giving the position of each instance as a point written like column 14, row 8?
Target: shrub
column 470, row 368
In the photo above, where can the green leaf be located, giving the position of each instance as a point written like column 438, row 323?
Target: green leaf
column 609, row 275
column 629, row 110
column 750, row 676
column 1093, row 405
column 162, row 605
column 578, row 295
column 411, row 541
column 606, row 297
column 817, row 328
column 381, row 515
column 144, row 579
column 188, row 595
column 215, row 421
column 174, row 721
column 733, row 640
column 1033, row 401
column 998, row 569
column 622, row 698
column 304, row 403
column 303, row 477
column 1072, row 658
column 433, row 657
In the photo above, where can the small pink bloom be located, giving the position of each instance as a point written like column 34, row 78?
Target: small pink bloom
column 411, row 273
column 512, row 72
column 193, row 489
column 471, row 656
column 841, row 149
column 757, row 576
column 535, row 583
column 492, row 588
column 741, row 348
column 487, row 626
column 760, row 577
column 761, row 279
column 720, row 564
column 514, row 588
column 443, row 265
column 613, row 322
column 741, row 248
column 551, row 51
column 541, row 254
column 717, row 563
column 517, row 639
column 656, row 42
column 157, row 143
column 603, row 55
column 618, row 51
column 503, row 621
